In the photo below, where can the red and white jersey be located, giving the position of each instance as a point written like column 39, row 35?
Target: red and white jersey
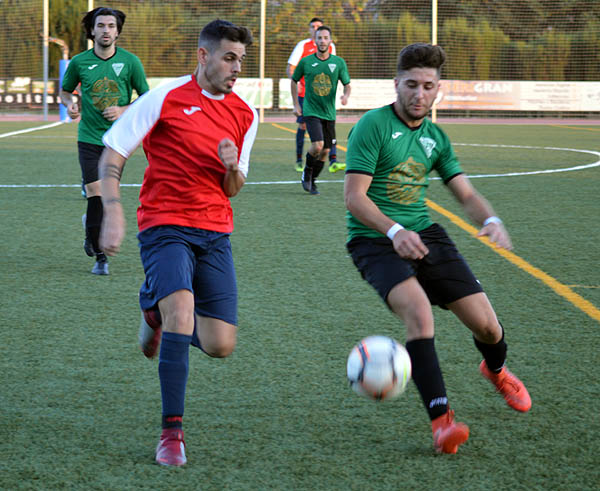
column 181, row 126
column 304, row 48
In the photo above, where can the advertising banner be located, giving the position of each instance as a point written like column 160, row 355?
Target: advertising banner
column 475, row 95
column 519, row 95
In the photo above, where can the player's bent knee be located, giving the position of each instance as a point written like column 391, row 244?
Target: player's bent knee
column 477, row 314
column 177, row 312
column 217, row 337
column 93, row 189
column 488, row 332
column 418, row 319
column 316, row 149
column 419, row 328
column 416, row 313
column 221, row 348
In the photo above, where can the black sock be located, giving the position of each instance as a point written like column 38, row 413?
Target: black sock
column 427, row 376
column 317, row 168
column 94, row 221
column 310, row 161
column 493, row 354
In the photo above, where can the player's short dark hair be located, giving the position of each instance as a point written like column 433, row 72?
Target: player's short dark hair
column 215, row 31
column 89, row 19
column 421, row 55
column 324, row 28
column 316, row 19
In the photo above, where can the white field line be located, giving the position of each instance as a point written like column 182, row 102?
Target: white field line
column 29, row 130
column 474, row 176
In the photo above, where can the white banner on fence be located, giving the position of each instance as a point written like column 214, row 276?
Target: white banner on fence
column 366, row 94
column 476, row 95
column 520, row 95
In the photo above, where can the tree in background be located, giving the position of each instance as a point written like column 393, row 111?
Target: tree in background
column 484, row 39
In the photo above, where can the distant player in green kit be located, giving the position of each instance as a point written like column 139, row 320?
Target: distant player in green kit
column 108, row 76
column 409, row 260
column 321, row 72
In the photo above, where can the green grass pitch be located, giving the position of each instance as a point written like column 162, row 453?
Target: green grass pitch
column 80, row 405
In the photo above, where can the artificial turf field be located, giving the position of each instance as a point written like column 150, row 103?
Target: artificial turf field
column 80, row 405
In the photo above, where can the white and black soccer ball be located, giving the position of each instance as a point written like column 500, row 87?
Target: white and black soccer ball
column 379, row 367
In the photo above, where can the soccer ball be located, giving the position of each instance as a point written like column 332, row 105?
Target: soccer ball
column 379, row 367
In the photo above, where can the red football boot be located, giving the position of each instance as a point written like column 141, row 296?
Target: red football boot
column 514, row 392
column 171, row 448
column 447, row 434
column 150, row 332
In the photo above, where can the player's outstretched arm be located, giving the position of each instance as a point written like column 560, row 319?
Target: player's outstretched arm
column 113, row 223
column 480, row 211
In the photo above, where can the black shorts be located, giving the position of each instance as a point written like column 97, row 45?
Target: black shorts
column 443, row 273
column 320, row 130
column 89, row 156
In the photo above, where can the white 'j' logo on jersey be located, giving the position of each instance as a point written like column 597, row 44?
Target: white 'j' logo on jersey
column 192, row 110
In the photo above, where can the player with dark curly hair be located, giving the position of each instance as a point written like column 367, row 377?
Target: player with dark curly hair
column 107, row 75
column 409, row 260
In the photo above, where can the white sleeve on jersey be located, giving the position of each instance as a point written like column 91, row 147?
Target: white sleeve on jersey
column 332, row 48
column 249, row 137
column 125, row 135
column 296, row 55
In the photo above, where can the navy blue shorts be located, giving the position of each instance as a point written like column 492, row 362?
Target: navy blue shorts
column 184, row 258
column 300, row 119
column 443, row 274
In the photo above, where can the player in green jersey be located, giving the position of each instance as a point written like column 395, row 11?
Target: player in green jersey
column 107, row 75
column 321, row 72
column 408, row 259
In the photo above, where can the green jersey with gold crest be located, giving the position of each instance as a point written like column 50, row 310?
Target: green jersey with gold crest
column 104, row 83
column 399, row 160
column 321, row 82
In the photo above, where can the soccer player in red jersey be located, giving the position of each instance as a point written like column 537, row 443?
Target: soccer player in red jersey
column 197, row 135
column 305, row 48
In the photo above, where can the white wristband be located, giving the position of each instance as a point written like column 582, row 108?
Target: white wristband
column 491, row 220
column 394, row 230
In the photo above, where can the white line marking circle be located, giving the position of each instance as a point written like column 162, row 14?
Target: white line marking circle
column 473, row 176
